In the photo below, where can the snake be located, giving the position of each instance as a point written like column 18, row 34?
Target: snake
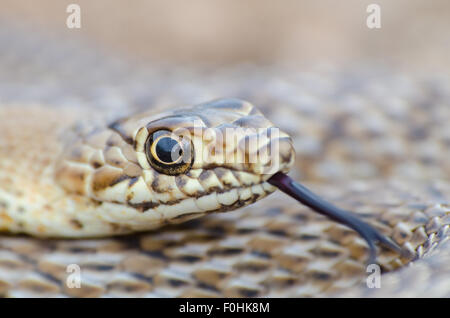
column 86, row 177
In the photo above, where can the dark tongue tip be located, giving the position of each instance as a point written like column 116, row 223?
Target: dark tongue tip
column 306, row 197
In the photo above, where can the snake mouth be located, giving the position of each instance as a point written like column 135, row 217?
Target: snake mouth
column 224, row 201
column 317, row 204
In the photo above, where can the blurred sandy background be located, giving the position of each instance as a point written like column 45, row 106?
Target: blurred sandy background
column 415, row 35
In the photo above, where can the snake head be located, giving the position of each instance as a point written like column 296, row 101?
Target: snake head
column 170, row 166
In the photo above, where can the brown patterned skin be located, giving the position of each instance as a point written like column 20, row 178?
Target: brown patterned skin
column 375, row 141
column 275, row 249
column 101, row 182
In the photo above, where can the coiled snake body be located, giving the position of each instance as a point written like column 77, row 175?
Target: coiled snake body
column 73, row 163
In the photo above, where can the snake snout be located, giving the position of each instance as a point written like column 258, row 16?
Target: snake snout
column 277, row 155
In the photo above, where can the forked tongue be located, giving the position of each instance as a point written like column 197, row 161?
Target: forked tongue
column 306, row 197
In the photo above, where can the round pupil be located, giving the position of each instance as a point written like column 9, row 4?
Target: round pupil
column 166, row 147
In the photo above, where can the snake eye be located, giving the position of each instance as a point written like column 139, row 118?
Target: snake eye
column 168, row 153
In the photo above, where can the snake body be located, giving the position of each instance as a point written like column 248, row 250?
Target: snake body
column 71, row 164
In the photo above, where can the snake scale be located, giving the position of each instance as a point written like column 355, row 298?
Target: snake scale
column 370, row 139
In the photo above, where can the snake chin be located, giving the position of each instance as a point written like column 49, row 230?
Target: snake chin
column 223, row 201
column 110, row 218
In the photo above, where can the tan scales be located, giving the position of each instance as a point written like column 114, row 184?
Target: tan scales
column 396, row 135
